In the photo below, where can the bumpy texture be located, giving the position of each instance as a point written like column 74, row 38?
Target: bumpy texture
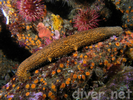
column 92, row 68
column 64, row 46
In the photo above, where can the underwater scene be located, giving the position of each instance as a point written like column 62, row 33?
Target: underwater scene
column 66, row 49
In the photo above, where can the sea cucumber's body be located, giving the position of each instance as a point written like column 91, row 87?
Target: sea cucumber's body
column 64, row 46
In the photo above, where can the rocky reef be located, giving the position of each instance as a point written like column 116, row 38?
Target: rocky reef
column 67, row 49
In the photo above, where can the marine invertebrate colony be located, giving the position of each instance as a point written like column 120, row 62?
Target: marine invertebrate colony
column 43, row 31
column 59, row 80
column 57, row 35
column 57, row 22
column 86, row 19
column 64, row 46
column 31, row 9
column 126, row 8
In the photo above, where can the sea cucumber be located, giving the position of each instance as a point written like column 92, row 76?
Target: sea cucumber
column 64, row 46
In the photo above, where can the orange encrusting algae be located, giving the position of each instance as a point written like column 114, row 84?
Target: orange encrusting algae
column 64, row 46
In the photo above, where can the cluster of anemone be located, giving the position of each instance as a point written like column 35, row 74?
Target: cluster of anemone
column 25, row 33
column 58, row 80
column 126, row 8
column 28, row 40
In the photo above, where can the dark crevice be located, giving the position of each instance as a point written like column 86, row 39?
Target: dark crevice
column 59, row 8
column 11, row 49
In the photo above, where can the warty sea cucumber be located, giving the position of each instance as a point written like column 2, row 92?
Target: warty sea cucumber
column 64, row 46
